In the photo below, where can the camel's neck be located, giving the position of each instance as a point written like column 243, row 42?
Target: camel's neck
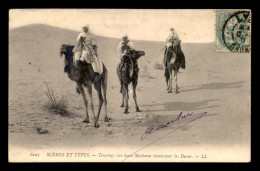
column 69, row 58
column 68, row 63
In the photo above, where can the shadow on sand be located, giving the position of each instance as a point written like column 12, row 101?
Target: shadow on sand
column 183, row 106
column 215, row 86
column 199, row 105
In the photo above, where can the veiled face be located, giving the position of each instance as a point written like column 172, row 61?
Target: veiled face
column 124, row 38
column 85, row 29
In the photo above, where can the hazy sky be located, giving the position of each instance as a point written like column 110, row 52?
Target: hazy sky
column 191, row 25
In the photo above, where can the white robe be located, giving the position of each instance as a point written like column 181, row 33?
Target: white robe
column 88, row 53
column 120, row 45
column 173, row 37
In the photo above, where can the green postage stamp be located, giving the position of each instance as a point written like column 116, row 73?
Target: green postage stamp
column 233, row 30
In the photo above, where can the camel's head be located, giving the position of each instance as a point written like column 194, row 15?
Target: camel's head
column 65, row 49
column 136, row 54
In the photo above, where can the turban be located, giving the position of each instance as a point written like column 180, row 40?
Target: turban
column 125, row 35
column 86, row 26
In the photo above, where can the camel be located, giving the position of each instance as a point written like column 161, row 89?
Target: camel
column 84, row 76
column 127, row 75
column 174, row 61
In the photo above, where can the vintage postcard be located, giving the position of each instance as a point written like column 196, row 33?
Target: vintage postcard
column 129, row 85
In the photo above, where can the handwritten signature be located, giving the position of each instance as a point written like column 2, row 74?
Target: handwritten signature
column 151, row 129
column 181, row 116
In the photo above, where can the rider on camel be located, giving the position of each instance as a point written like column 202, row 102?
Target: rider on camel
column 171, row 41
column 124, row 47
column 86, row 50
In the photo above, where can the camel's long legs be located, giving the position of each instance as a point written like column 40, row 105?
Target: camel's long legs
column 100, row 97
column 134, row 96
column 122, row 92
column 121, row 86
column 123, row 96
column 89, row 88
column 170, row 81
column 82, row 92
column 104, row 88
column 126, row 97
column 123, row 99
column 175, row 76
column 168, row 84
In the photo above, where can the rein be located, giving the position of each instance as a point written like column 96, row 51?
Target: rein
column 130, row 60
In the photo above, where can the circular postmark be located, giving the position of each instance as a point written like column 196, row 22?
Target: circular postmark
column 236, row 32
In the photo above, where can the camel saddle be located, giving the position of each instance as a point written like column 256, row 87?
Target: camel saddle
column 174, row 49
column 126, row 64
column 125, row 46
column 83, row 68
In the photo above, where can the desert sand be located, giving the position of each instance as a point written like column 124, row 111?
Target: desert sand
column 216, row 83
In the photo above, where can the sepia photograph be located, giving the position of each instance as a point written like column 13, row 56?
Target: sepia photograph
column 129, row 85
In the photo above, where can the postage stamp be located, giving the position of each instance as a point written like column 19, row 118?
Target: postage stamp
column 233, row 31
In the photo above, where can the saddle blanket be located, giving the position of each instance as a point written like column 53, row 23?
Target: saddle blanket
column 90, row 58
